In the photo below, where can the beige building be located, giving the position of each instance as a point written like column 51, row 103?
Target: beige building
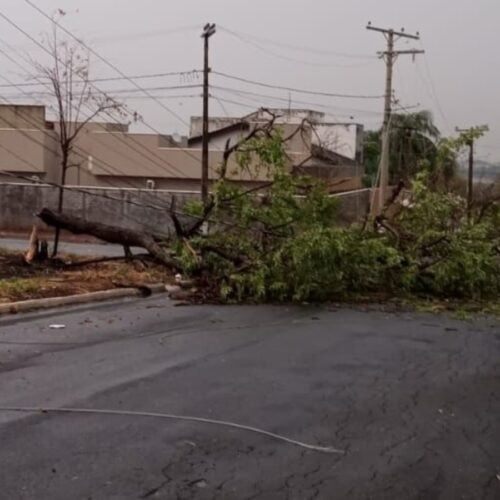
column 108, row 154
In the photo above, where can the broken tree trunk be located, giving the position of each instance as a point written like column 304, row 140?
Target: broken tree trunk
column 32, row 252
column 111, row 234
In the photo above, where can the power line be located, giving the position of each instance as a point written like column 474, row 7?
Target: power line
column 36, row 42
column 128, row 90
column 35, row 96
column 150, row 153
column 134, row 113
column 160, row 165
column 104, row 60
column 283, row 99
column 146, row 34
column 229, row 101
column 183, row 74
column 79, row 151
column 292, row 89
column 291, row 59
column 302, row 48
column 433, row 93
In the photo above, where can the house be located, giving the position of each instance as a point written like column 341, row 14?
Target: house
column 332, row 151
column 107, row 154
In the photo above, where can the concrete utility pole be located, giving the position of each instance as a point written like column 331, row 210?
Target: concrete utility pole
column 208, row 31
column 470, row 177
column 390, row 56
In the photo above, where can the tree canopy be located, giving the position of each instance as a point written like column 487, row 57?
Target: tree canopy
column 414, row 145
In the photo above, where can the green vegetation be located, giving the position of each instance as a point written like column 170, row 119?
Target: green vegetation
column 415, row 142
column 13, row 288
column 284, row 244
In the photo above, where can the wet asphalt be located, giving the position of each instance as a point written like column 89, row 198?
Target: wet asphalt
column 413, row 399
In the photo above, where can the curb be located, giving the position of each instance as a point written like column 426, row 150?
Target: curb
column 118, row 293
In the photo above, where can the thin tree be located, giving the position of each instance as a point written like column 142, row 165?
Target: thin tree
column 76, row 102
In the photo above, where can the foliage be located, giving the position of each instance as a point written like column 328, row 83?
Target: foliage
column 284, row 243
column 415, row 145
column 447, row 255
column 371, row 156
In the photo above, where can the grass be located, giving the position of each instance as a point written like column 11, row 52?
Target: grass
column 19, row 281
column 17, row 288
column 461, row 309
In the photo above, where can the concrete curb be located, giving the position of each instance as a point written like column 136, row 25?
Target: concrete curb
column 117, row 293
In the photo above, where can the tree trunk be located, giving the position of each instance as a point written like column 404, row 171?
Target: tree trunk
column 60, row 198
column 111, row 234
column 31, row 253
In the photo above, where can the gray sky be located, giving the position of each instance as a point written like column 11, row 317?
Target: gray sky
column 458, row 78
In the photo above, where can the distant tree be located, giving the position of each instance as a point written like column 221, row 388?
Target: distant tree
column 413, row 144
column 371, row 155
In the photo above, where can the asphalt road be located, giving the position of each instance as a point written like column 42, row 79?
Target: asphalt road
column 414, row 400
column 83, row 249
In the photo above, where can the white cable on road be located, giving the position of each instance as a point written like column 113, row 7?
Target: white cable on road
column 27, row 409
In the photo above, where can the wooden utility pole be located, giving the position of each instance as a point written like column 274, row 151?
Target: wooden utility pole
column 470, row 176
column 390, row 55
column 208, row 31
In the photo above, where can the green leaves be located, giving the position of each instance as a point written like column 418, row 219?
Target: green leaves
column 282, row 243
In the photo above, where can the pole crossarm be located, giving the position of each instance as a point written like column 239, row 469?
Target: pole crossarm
column 399, row 34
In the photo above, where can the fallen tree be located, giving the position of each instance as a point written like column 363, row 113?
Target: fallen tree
column 110, row 234
column 280, row 240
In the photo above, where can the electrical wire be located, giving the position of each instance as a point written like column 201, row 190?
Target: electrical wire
column 170, row 416
column 292, row 59
column 433, row 93
column 302, row 48
column 35, row 95
column 96, row 137
column 146, row 34
column 126, row 91
column 241, row 92
column 150, row 154
column 292, row 89
column 36, row 42
column 188, row 73
column 103, row 59
column 104, row 166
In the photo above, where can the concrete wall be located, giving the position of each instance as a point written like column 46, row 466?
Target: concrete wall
column 20, row 202
column 345, row 139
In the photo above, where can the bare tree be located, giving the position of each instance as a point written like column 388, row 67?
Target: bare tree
column 76, row 101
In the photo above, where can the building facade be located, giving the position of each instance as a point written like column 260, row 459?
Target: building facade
column 108, row 154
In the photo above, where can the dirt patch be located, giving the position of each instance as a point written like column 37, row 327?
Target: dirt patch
column 19, row 281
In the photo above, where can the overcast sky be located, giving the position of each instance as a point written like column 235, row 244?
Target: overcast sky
column 320, row 45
